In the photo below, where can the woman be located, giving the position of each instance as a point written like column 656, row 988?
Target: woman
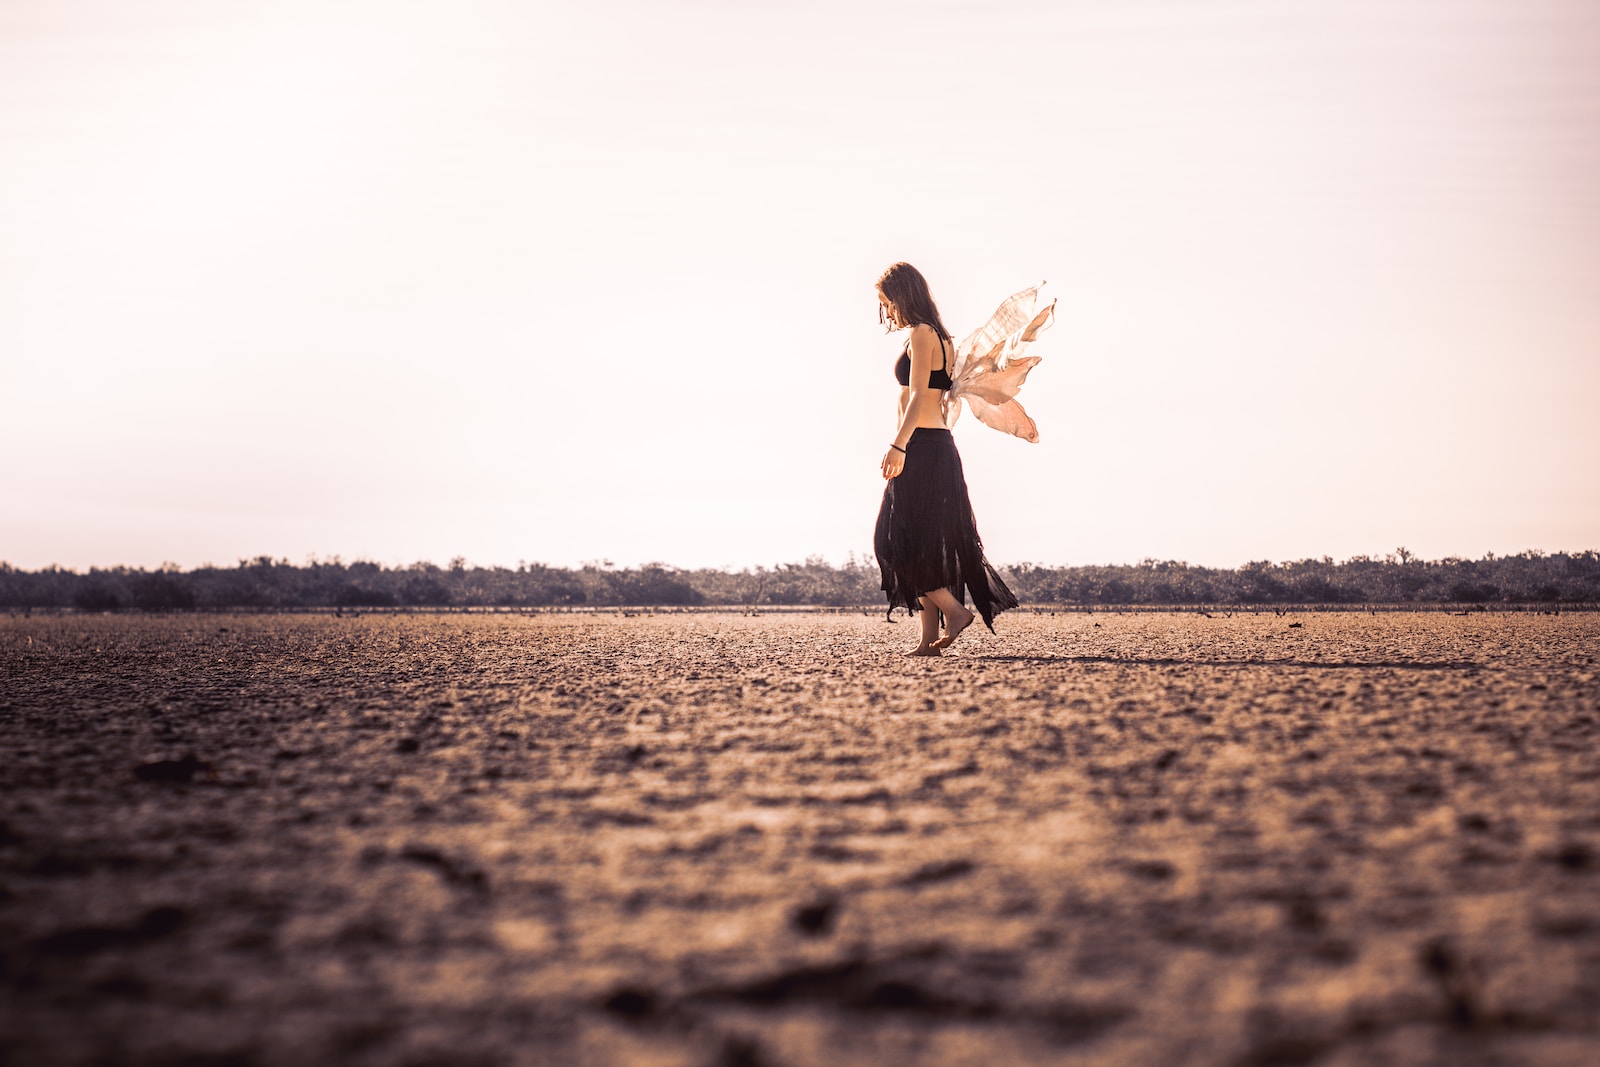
column 927, row 540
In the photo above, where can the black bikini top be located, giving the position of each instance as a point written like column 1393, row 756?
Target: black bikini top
column 937, row 379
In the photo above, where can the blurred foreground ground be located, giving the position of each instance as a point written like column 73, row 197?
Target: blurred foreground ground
column 720, row 841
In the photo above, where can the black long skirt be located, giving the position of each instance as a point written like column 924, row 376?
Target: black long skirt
column 927, row 538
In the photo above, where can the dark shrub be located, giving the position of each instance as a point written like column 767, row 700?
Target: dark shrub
column 1258, row 585
column 353, row 596
column 1471, row 593
column 162, row 592
column 96, row 598
column 786, row 594
column 652, row 584
column 1115, row 591
column 424, row 591
column 565, row 593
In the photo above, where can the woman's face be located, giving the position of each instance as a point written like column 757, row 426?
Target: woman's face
column 887, row 313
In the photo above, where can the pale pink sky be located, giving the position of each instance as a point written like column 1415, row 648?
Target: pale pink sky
column 566, row 282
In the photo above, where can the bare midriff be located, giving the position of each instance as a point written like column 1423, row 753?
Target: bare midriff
column 928, row 410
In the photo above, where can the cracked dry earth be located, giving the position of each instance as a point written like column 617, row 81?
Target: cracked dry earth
column 718, row 841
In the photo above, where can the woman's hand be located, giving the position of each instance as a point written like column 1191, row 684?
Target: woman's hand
column 894, row 461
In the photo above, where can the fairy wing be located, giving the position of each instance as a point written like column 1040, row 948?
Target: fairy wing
column 1007, row 418
column 1014, row 312
column 990, row 367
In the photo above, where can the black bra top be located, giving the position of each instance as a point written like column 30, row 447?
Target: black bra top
column 937, row 379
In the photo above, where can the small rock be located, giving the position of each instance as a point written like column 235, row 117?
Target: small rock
column 457, row 872
column 89, row 940
column 1575, row 856
column 896, row 995
column 1569, row 926
column 1456, row 978
column 176, row 771
column 815, row 919
column 160, row 922
column 122, row 987
column 59, row 865
column 942, row 871
column 83, row 941
column 631, row 1003
column 1334, row 950
column 741, row 1051
column 1304, row 914
column 1155, row 870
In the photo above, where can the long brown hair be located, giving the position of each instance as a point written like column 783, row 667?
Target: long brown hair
column 907, row 291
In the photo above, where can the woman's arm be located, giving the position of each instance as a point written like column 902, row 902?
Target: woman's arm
column 924, row 350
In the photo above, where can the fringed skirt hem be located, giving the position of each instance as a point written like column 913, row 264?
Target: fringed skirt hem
column 927, row 538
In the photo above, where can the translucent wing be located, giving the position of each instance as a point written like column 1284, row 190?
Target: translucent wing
column 990, row 366
column 1014, row 311
column 1007, row 418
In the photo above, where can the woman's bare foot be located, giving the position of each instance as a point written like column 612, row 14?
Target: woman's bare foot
column 926, row 650
column 954, row 624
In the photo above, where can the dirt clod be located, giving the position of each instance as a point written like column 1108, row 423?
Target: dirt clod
column 175, row 771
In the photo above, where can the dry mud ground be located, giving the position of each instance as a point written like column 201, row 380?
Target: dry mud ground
column 726, row 841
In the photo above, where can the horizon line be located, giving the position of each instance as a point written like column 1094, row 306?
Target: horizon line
column 1400, row 555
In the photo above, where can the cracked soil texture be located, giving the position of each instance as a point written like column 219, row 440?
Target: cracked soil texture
column 713, row 840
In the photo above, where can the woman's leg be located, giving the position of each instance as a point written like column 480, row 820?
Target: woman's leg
column 929, row 617
column 956, row 617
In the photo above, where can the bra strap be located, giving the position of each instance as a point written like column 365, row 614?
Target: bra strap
column 944, row 360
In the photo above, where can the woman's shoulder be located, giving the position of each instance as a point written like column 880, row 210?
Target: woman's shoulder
column 926, row 337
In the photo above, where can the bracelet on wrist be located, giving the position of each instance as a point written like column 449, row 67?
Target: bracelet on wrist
column 897, row 448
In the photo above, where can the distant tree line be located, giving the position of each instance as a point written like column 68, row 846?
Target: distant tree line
column 1531, row 577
